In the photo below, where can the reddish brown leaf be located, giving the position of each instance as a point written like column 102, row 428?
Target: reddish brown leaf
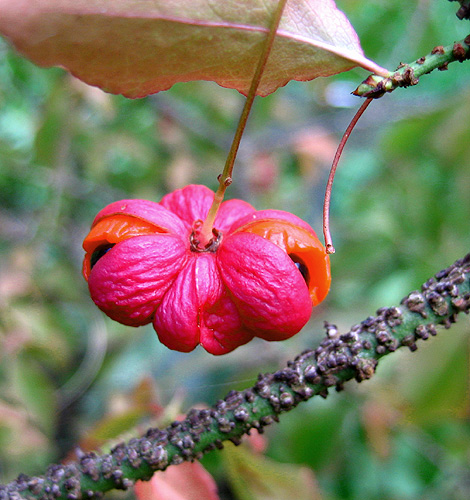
column 139, row 47
column 187, row 481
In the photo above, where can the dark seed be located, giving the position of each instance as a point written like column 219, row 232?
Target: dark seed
column 98, row 253
column 300, row 265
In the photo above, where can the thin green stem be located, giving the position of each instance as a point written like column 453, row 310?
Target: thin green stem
column 375, row 86
column 339, row 358
column 225, row 179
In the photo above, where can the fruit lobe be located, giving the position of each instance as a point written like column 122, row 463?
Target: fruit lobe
column 261, row 275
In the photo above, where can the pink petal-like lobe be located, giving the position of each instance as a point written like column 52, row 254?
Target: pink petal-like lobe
column 230, row 213
column 145, row 210
column 192, row 203
column 198, row 310
column 221, row 328
column 189, row 203
column 176, row 319
column 269, row 292
column 130, row 280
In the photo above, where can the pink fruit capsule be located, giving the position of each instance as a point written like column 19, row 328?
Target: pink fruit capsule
column 259, row 276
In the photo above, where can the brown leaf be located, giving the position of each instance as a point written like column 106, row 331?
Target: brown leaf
column 137, row 47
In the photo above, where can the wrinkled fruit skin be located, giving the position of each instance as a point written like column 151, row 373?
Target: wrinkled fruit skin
column 260, row 277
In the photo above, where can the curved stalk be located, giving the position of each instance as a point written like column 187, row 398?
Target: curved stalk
column 329, row 185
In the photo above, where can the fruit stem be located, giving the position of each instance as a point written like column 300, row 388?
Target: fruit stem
column 326, row 203
column 225, row 179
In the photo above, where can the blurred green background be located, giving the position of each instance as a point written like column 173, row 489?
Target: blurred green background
column 71, row 377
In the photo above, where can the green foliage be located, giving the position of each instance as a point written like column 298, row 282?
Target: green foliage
column 400, row 213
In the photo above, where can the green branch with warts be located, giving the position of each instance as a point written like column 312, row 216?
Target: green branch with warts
column 338, row 359
column 440, row 57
